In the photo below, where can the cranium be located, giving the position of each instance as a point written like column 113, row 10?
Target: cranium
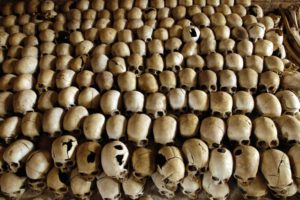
column 147, row 83
column 136, row 64
column 10, row 128
column 108, row 187
column 155, row 64
column 198, row 101
column 191, row 186
column 57, row 182
column 268, row 105
column 80, row 187
column 174, row 61
column 188, row 124
column 254, row 62
column 221, row 104
column 269, row 82
column 31, row 125
column 227, row 46
column 288, row 127
column 195, row 62
column 163, row 189
column 208, row 81
column 239, row 129
column 73, row 119
column 12, row 185
column 127, row 81
column 214, row 191
column 116, row 127
column 227, row 81
column 138, row 129
column 245, row 48
column 257, row 188
column 156, row 104
column 167, row 81
column 110, row 102
column 289, row 102
column 177, row 100
column 164, row 129
column 274, row 64
column 133, row 188
column 145, row 168
column 248, row 80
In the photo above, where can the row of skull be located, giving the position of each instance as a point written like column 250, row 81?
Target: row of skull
column 193, row 168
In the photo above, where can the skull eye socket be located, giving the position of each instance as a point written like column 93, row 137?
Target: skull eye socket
column 215, row 145
column 14, row 165
column 95, row 173
column 58, row 164
column 192, row 168
column 245, row 142
column 70, row 163
column 251, row 178
column 63, row 189
column 238, row 152
column 138, row 174
column 221, row 150
column 262, row 144
column 40, row 185
column 215, row 178
column 118, row 147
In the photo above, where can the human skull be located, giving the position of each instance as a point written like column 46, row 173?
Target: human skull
column 52, row 121
column 31, row 124
column 7, row 82
column 80, row 187
column 294, row 159
column 88, row 160
column 278, row 174
column 23, row 82
column 156, row 104
column 110, row 102
column 173, row 44
column 256, row 31
column 133, row 188
column 214, row 191
column 104, row 80
column 289, row 102
column 24, row 101
column 63, row 152
column 268, row 105
column 264, row 48
column 190, row 33
column 227, row 46
column 45, row 80
column 138, row 128
column 215, row 61
column 16, row 153
column 275, row 36
column 288, row 126
column 145, row 168
column 147, row 83
column 274, row 64
column 222, row 32
column 196, row 153
column 227, row 81
column 245, row 48
column 164, row 129
column 57, row 182
column 239, row 129
column 167, row 81
column 170, row 165
column 127, row 81
column 114, row 158
column 254, row 62
column 269, row 82
column 212, row 131
column 138, row 47
column 266, row 133
column 155, row 46
column 174, row 61
column 246, row 160
column 108, row 187
column 188, row 125
column 257, row 188
column 136, row 64
column 6, row 106
column 208, row 81
column 117, row 65
column 116, row 127
column 10, row 128
column 198, row 101
column 64, row 78
column 195, row 62
column 12, row 185
column 93, row 126
column 37, row 166
column 248, row 80
column 163, row 189
column 220, row 165
column 191, row 186
column 89, row 98
column 243, row 103
column 221, row 104
column 208, row 46
column 73, row 119
column 177, row 99
column 189, row 49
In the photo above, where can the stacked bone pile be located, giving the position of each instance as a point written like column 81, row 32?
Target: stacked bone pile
column 184, row 95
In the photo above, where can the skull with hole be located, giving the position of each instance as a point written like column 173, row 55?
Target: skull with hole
column 208, row 46
column 289, row 102
column 239, row 129
column 243, row 103
column 228, row 81
column 24, row 101
column 16, row 153
column 245, row 48
column 155, row 46
column 73, row 119
column 57, row 182
column 156, row 104
column 110, row 102
column 227, row 46
column 288, row 127
column 248, row 80
column 164, row 129
column 52, row 121
column 63, row 152
column 133, row 188
column 163, row 189
column 188, row 125
column 116, row 127
column 114, row 158
column 198, row 101
column 155, row 64
column 12, row 185
column 265, row 132
column 212, row 131
column 167, row 81
column 127, row 81
column 88, row 160
column 145, row 168
column 190, row 33
column 177, row 99
column 268, row 105
column 246, row 159
column 31, row 125
column 196, row 153
column 221, row 104
column 93, row 126
column 170, row 165
column 10, row 129
column 208, row 81
column 275, row 166
column 256, row 189
column 80, row 187
column 191, row 186
column 220, row 165
column 269, row 82
column 108, row 187
column 187, row 78
column 136, row 64
column 138, row 128
column 214, row 191
column 174, row 61
column 37, row 166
